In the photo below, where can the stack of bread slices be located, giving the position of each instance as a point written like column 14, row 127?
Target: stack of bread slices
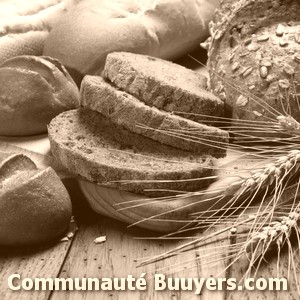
column 130, row 133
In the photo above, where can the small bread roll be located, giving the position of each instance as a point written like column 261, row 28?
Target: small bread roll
column 33, row 91
column 34, row 204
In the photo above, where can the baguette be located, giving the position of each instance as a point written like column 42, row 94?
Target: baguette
column 163, row 28
column 25, row 25
column 127, row 111
column 90, row 145
column 35, row 206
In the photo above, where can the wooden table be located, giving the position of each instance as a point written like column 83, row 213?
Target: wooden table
column 118, row 256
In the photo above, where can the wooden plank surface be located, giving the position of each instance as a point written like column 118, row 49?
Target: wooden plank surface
column 31, row 263
column 119, row 257
column 269, row 270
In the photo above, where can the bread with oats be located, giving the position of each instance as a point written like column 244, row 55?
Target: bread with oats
column 254, row 58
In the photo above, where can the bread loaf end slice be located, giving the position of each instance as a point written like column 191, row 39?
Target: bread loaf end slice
column 163, row 84
column 127, row 111
column 95, row 148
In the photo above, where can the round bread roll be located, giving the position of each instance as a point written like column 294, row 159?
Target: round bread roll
column 33, row 91
column 163, row 28
column 34, row 204
column 254, row 58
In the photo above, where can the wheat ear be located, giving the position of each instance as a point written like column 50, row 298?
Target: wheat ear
column 266, row 184
column 274, row 177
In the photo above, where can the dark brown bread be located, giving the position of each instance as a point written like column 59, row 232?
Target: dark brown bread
column 35, row 206
column 163, row 84
column 13, row 163
column 127, row 111
column 254, row 58
column 34, row 89
column 90, row 145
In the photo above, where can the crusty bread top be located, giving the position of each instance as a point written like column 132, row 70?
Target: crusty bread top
column 10, row 164
column 162, row 84
column 126, row 110
column 164, row 28
column 92, row 146
column 25, row 25
column 35, row 205
column 255, row 61
column 33, row 91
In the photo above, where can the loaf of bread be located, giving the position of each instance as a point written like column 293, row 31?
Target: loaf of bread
column 25, row 25
column 35, row 206
column 254, row 58
column 92, row 146
column 33, row 91
column 164, row 127
column 163, row 28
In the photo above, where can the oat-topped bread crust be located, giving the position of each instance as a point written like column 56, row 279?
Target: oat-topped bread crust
column 162, row 84
column 127, row 111
column 90, row 145
column 254, row 58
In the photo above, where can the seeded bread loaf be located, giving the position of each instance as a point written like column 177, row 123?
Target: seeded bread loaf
column 254, row 58
column 90, row 145
column 163, row 84
column 35, row 206
column 127, row 111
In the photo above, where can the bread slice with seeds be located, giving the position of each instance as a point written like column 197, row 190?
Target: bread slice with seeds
column 92, row 146
column 163, row 84
column 127, row 111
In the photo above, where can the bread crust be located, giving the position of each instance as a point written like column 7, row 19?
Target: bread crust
column 254, row 58
column 92, row 29
column 33, row 91
column 25, row 25
column 35, row 206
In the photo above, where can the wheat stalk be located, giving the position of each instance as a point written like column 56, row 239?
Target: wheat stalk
column 264, row 230
column 272, row 223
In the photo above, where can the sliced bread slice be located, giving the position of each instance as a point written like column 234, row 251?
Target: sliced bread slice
column 92, row 146
column 126, row 110
column 163, row 84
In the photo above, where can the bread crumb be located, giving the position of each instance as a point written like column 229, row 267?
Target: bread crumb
column 70, row 235
column 64, row 239
column 258, row 114
column 100, row 239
